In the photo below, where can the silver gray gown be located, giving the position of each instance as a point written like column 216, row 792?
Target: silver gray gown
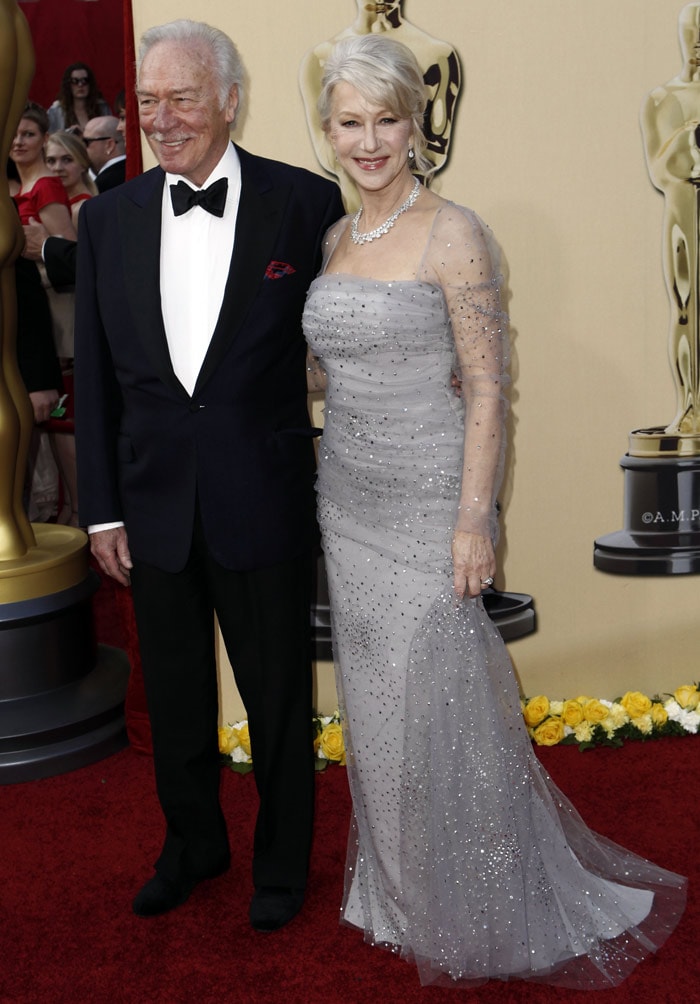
column 463, row 856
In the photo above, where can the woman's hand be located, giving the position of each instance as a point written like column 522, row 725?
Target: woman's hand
column 43, row 403
column 474, row 563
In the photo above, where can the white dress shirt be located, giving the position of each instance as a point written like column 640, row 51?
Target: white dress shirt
column 195, row 258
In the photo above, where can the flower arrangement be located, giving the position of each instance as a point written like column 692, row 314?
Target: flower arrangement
column 234, row 746
column 585, row 721
column 329, row 746
column 591, row 722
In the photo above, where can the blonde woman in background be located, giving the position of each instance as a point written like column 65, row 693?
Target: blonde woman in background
column 67, row 158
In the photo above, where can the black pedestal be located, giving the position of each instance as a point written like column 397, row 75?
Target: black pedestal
column 61, row 695
column 662, row 519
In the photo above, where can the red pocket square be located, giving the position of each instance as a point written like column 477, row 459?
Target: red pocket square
column 277, row 269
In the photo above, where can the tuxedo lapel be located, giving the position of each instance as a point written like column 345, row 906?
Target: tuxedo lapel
column 139, row 215
column 260, row 214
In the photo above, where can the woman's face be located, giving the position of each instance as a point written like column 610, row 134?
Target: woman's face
column 63, row 164
column 370, row 142
column 79, row 84
column 28, row 144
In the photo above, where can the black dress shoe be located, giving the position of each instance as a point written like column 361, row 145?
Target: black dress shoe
column 272, row 907
column 160, row 895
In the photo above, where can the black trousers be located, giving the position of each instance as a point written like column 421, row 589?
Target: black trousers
column 265, row 624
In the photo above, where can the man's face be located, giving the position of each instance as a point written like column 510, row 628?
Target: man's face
column 100, row 145
column 179, row 110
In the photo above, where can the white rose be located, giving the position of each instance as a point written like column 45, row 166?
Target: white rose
column 673, row 710
column 690, row 720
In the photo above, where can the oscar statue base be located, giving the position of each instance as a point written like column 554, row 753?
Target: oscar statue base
column 661, row 534
column 61, row 695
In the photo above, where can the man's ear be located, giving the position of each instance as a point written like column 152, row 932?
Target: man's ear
column 232, row 104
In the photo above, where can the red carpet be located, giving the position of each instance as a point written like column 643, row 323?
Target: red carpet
column 76, row 848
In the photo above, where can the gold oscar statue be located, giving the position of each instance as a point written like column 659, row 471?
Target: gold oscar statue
column 441, row 73
column 16, row 535
column 670, row 120
column 35, row 560
column 662, row 466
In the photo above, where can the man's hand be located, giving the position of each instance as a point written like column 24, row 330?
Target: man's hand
column 111, row 551
column 35, row 234
column 43, row 403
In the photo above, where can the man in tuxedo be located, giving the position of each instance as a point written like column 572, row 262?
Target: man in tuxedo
column 195, row 454
column 105, row 147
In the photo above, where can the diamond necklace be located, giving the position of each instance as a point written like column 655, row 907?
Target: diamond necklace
column 373, row 235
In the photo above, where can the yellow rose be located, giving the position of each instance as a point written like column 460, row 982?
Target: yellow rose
column 635, row 704
column 687, row 696
column 550, row 732
column 572, row 713
column 243, row 736
column 228, row 740
column 536, row 710
column 659, row 715
column 332, row 743
column 594, row 712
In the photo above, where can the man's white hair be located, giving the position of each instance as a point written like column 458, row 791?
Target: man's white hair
column 225, row 60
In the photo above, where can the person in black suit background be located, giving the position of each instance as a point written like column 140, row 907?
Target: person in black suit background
column 58, row 254
column 195, row 453
column 105, row 146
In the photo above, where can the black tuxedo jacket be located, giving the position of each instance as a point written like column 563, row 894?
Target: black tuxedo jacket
column 111, row 176
column 242, row 443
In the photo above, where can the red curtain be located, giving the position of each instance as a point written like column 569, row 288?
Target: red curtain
column 134, row 163
column 97, row 32
column 68, row 31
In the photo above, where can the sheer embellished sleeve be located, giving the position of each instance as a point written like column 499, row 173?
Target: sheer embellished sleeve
column 315, row 373
column 461, row 257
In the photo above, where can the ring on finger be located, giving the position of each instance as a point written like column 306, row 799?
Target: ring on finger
column 487, row 582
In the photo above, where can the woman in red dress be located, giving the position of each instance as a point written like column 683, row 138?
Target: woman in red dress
column 37, row 193
column 40, row 195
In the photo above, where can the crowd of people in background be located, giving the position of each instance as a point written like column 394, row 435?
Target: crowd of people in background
column 60, row 157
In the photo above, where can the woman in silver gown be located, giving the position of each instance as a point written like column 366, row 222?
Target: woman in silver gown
column 463, row 856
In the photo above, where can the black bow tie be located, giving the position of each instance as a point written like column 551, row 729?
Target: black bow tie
column 213, row 199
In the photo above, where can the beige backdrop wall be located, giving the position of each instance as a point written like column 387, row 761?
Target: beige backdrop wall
column 547, row 148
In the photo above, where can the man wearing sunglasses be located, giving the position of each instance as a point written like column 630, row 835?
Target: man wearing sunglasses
column 105, row 146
